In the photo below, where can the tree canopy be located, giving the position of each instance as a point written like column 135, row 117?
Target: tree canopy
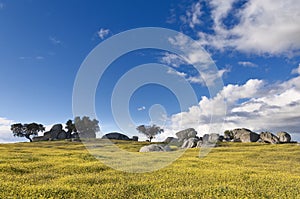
column 150, row 131
column 86, row 127
column 26, row 130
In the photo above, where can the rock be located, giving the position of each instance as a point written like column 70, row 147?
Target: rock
column 47, row 135
column 205, row 138
column 269, row 138
column 115, row 136
column 167, row 148
column 55, row 130
column 62, row 135
column 39, row 138
column 284, row 137
column 199, row 144
column 245, row 135
column 135, row 138
column 190, row 143
column 210, row 138
column 170, row 139
column 153, row 148
column 186, row 134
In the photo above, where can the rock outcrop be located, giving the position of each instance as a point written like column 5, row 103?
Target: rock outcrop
column 186, row 134
column 170, row 140
column 268, row 137
column 154, row 148
column 190, row 143
column 245, row 135
column 210, row 138
column 284, row 137
column 55, row 133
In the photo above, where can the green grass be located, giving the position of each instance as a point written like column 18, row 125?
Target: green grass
column 66, row 170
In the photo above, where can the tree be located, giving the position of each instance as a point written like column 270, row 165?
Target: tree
column 26, row 130
column 86, row 127
column 71, row 128
column 150, row 131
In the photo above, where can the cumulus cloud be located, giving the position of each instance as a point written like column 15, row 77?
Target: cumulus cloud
column 262, row 27
column 256, row 105
column 247, row 64
column 102, row 33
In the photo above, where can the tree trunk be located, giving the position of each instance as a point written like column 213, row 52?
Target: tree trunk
column 150, row 138
column 28, row 137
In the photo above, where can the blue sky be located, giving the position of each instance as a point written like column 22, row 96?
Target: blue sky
column 254, row 44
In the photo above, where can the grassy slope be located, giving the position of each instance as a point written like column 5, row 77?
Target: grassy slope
column 66, row 170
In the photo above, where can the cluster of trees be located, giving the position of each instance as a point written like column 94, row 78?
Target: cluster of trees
column 85, row 127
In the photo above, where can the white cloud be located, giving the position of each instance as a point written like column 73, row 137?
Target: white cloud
column 296, row 70
column 6, row 135
column 264, row 27
column 273, row 107
column 193, row 15
column 141, row 108
column 247, row 64
column 174, row 72
column 54, row 40
column 5, row 122
column 172, row 60
column 102, row 33
column 208, row 78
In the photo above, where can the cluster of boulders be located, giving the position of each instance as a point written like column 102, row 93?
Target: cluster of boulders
column 246, row 135
column 56, row 133
column 188, row 139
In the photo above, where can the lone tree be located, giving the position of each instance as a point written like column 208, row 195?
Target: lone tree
column 71, row 128
column 150, row 131
column 26, row 130
column 86, row 127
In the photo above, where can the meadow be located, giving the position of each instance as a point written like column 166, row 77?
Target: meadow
column 63, row 169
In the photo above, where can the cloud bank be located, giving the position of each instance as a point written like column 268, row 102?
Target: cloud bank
column 256, row 105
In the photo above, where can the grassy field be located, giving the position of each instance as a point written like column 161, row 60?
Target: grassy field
column 65, row 169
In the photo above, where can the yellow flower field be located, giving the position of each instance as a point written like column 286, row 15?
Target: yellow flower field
column 65, row 169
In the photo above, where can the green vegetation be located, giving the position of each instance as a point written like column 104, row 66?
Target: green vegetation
column 65, row 169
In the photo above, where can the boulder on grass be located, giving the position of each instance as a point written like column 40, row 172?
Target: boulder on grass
column 55, row 130
column 115, row 136
column 62, row 135
column 268, row 137
column 190, row 143
column 284, row 137
column 199, row 144
column 210, row 138
column 245, row 135
column 154, row 148
column 186, row 134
